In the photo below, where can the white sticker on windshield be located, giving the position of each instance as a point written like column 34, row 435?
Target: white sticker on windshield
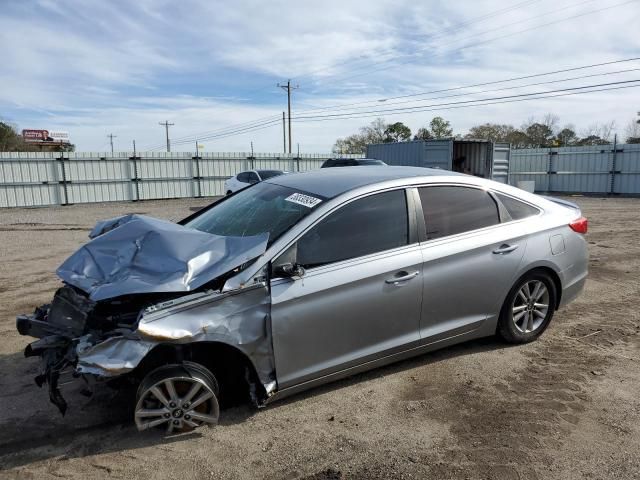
column 304, row 200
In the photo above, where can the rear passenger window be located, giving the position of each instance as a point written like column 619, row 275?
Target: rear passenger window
column 452, row 210
column 517, row 209
column 372, row 224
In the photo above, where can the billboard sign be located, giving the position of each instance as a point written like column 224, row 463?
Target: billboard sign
column 45, row 136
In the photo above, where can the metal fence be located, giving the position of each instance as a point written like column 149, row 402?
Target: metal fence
column 37, row 179
column 600, row 169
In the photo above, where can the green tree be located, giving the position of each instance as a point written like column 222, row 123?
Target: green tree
column 632, row 130
column 491, row 131
column 593, row 140
column 518, row 139
column 539, row 135
column 440, row 128
column 10, row 140
column 397, row 132
column 352, row 144
column 423, row 133
column 566, row 137
column 357, row 143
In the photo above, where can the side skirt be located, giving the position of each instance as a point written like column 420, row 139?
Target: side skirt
column 480, row 332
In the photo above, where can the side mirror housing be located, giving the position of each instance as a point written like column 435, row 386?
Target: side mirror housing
column 289, row 270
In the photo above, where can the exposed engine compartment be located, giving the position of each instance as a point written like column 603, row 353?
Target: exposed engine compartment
column 70, row 316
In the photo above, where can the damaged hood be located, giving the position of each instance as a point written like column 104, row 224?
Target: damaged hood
column 140, row 254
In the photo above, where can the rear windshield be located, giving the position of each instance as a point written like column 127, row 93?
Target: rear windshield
column 371, row 162
column 261, row 208
column 264, row 174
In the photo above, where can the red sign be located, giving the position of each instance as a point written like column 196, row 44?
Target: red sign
column 39, row 135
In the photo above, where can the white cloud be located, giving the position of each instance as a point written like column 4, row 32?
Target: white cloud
column 95, row 67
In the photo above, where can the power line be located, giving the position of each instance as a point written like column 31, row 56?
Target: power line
column 483, row 84
column 234, row 132
column 473, row 103
column 166, row 125
column 514, row 87
column 266, row 122
column 191, row 137
column 453, row 105
column 252, row 126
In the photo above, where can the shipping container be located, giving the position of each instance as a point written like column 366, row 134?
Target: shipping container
column 482, row 158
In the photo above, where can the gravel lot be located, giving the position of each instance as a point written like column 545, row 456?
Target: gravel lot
column 564, row 407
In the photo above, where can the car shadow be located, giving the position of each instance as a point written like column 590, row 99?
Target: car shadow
column 31, row 429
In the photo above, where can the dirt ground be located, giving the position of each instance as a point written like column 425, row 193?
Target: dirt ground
column 564, row 407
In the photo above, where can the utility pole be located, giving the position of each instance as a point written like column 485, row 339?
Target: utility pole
column 288, row 88
column 284, row 135
column 252, row 149
column 166, row 125
column 134, row 148
column 111, row 137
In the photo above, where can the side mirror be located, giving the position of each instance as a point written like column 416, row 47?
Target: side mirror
column 288, row 270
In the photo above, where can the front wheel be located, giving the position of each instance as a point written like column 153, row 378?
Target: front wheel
column 177, row 398
column 528, row 308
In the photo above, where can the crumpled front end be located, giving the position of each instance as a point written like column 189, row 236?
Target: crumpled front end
column 141, row 284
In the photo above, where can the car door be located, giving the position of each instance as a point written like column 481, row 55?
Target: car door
column 359, row 297
column 470, row 259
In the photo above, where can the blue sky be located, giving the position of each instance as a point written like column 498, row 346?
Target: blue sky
column 100, row 67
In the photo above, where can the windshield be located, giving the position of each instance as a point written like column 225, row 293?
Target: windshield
column 264, row 174
column 262, row 208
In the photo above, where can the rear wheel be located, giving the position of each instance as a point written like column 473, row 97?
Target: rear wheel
column 177, row 398
column 528, row 308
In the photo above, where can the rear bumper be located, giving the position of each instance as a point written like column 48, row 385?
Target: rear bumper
column 571, row 291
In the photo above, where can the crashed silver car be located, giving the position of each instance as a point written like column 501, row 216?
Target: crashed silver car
column 300, row 280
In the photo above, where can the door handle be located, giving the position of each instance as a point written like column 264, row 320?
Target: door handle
column 505, row 248
column 402, row 278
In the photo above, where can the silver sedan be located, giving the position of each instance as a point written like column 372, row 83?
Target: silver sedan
column 303, row 279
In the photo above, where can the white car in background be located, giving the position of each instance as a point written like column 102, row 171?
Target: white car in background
column 244, row 179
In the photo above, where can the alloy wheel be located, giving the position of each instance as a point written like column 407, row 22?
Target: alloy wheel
column 530, row 306
column 178, row 404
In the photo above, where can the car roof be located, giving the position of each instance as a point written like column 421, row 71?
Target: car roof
column 331, row 182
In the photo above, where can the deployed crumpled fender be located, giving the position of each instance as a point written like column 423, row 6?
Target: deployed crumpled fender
column 240, row 318
column 139, row 254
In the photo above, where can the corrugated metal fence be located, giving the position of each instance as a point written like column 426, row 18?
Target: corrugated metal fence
column 35, row 179
column 600, row 169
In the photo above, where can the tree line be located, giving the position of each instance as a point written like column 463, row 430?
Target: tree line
column 544, row 132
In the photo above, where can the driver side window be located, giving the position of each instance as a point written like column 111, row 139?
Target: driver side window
column 369, row 225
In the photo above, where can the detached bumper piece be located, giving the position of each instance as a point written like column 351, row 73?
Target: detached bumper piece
column 57, row 354
column 57, row 326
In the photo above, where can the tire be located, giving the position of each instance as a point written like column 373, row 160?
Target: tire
column 523, row 318
column 177, row 398
column 229, row 192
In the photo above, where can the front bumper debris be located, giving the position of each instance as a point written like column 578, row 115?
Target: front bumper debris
column 56, row 351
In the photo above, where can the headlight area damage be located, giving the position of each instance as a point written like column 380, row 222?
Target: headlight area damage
column 142, row 284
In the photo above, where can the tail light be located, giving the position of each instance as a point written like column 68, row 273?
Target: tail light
column 580, row 225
